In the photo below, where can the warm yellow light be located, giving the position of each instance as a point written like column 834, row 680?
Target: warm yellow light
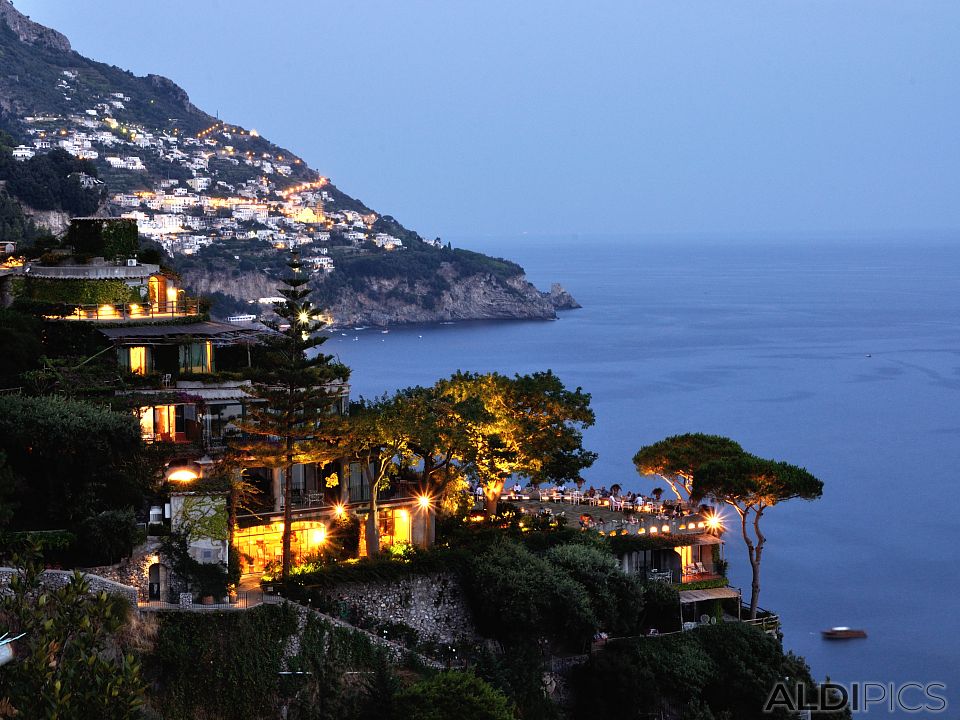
column 182, row 476
column 641, row 531
column 653, row 531
column 134, row 309
column 424, row 501
column 171, row 293
column 714, row 522
column 665, row 528
column 339, row 511
column 318, row 537
column 107, row 311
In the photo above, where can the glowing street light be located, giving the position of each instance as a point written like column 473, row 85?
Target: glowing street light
column 423, row 501
column 339, row 511
column 182, row 475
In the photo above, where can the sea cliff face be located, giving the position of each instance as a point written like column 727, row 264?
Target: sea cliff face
column 476, row 297
column 395, row 301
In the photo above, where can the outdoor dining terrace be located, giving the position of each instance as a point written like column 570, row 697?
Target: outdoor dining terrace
column 637, row 516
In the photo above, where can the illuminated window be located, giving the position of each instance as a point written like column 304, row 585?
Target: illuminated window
column 196, row 357
column 401, row 527
column 138, row 360
column 162, row 423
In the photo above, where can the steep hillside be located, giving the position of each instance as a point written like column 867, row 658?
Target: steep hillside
column 223, row 202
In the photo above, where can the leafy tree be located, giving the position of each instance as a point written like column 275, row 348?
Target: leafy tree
column 74, row 661
column 750, row 485
column 20, row 339
column 453, row 696
column 377, row 441
column 529, row 425
column 71, row 459
column 518, row 596
column 674, row 459
column 296, row 420
column 106, row 537
column 435, row 440
column 615, row 598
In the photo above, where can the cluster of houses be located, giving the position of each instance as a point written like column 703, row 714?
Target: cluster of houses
column 185, row 215
column 187, row 397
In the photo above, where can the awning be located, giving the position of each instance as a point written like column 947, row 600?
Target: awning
column 218, row 332
column 692, row 596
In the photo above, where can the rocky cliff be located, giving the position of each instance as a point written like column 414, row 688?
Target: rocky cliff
column 30, row 32
column 395, row 301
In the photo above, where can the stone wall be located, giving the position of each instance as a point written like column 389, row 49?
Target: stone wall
column 134, row 570
column 433, row 605
column 59, row 578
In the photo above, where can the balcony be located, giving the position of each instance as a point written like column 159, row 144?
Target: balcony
column 126, row 312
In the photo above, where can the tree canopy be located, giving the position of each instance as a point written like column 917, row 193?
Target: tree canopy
column 70, row 460
column 528, row 425
column 711, row 466
column 676, row 458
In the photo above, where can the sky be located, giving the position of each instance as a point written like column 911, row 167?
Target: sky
column 500, row 117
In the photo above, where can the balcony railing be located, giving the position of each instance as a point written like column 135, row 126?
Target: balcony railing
column 127, row 312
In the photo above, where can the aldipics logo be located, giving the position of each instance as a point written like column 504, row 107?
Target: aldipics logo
column 859, row 697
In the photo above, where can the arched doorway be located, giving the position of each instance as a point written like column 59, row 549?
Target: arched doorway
column 159, row 577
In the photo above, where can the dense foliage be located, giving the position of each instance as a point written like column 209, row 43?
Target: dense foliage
column 220, row 664
column 77, row 292
column 453, row 696
column 20, row 338
column 70, row 460
column 51, row 181
column 720, row 671
column 76, row 659
column 111, row 238
column 14, row 225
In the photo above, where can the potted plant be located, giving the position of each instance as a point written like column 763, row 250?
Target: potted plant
column 211, row 581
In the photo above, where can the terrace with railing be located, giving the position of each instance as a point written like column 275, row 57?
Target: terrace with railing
column 126, row 312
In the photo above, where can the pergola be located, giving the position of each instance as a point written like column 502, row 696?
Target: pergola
column 692, row 597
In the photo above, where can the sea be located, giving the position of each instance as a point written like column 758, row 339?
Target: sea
column 838, row 354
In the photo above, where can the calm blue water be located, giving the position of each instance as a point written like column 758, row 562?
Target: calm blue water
column 767, row 343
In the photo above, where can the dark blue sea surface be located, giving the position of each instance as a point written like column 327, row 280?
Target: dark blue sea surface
column 841, row 356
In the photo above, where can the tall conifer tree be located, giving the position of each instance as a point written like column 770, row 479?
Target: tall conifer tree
column 297, row 420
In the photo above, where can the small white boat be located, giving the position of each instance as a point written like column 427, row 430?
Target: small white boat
column 384, row 332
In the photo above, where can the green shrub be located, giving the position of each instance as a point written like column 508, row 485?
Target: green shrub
column 219, row 665
column 515, row 594
column 716, row 671
column 106, row 537
column 616, row 598
column 453, row 696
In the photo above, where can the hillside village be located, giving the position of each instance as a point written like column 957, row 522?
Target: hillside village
column 228, row 188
